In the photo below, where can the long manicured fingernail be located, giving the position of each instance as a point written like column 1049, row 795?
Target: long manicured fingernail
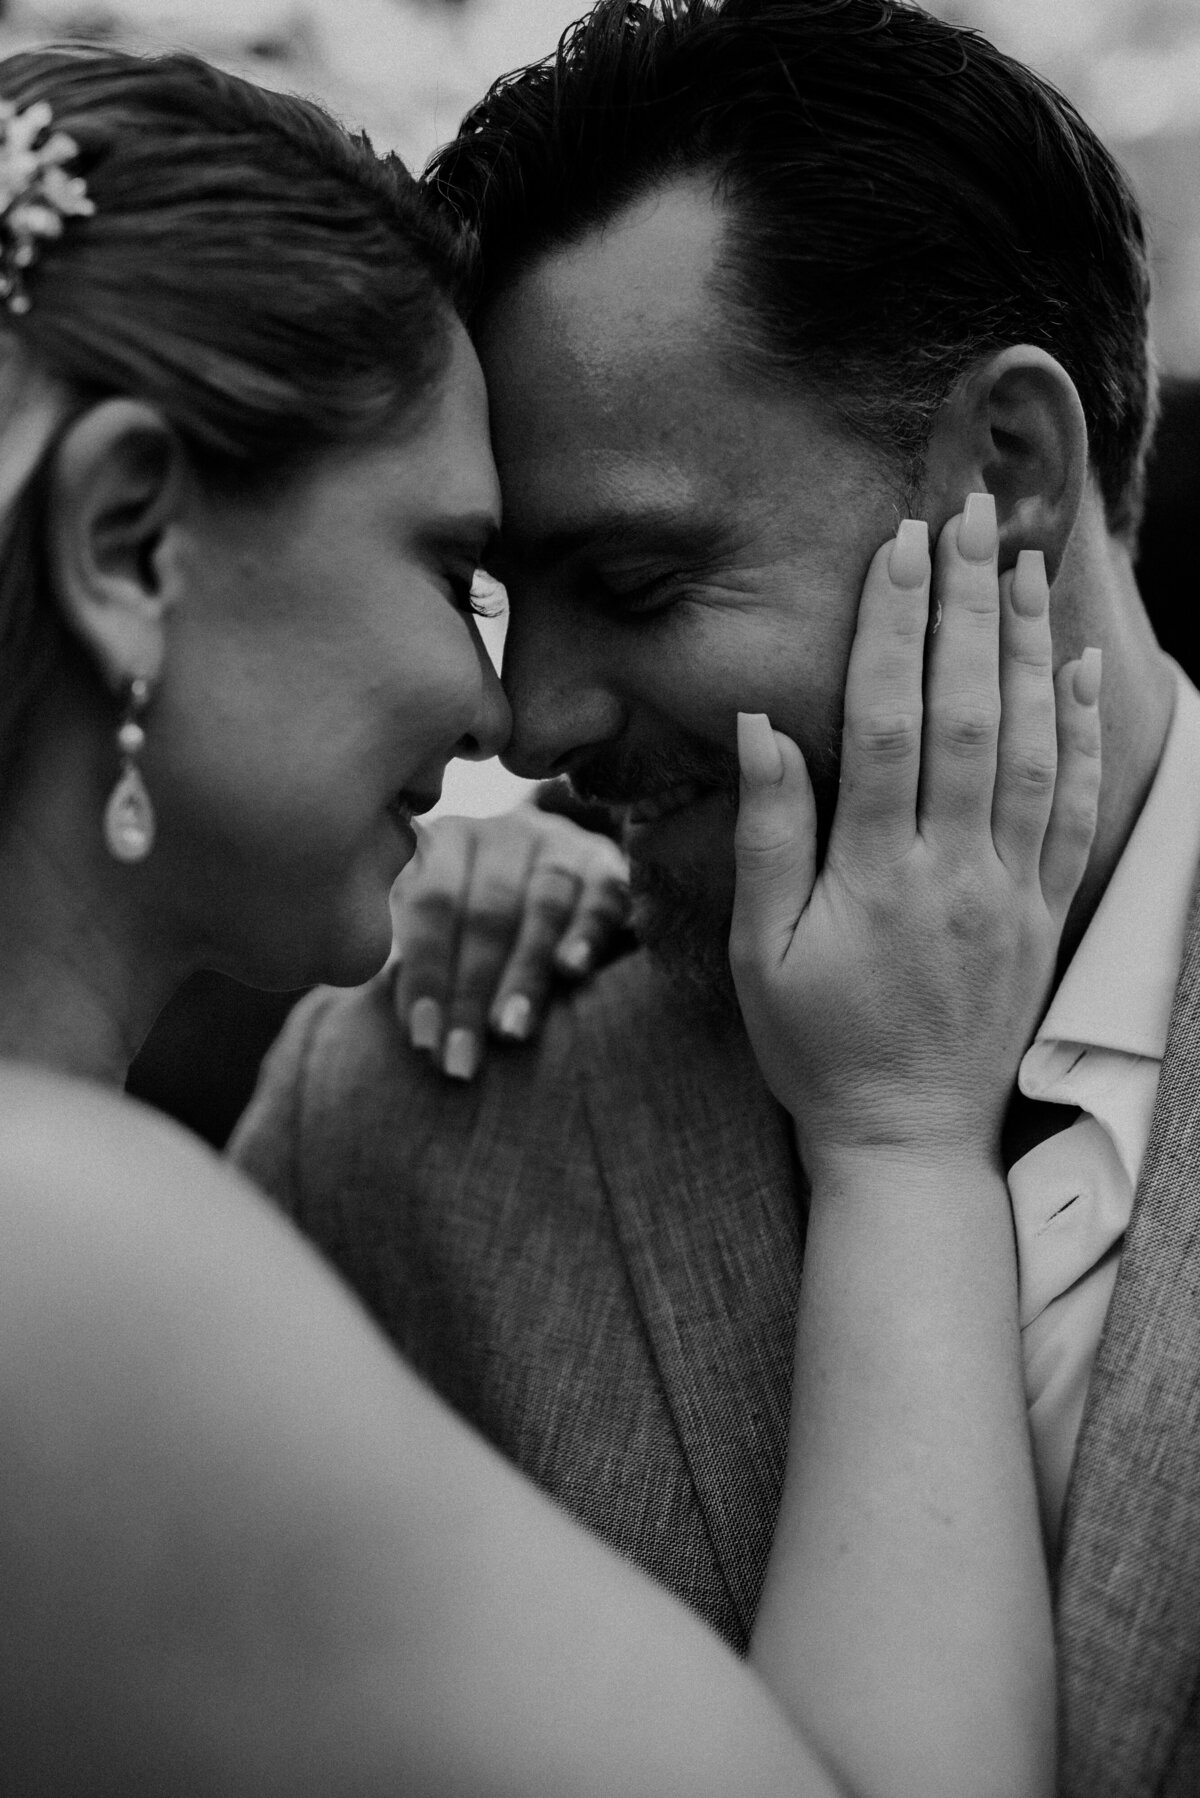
column 575, row 956
column 461, row 1056
column 425, row 1024
column 514, row 1017
column 1029, row 589
column 1086, row 684
column 977, row 528
column 758, row 752
column 908, row 562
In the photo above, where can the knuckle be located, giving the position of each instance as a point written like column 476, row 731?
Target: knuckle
column 491, row 924
column 971, row 911
column 888, row 737
column 1032, row 773
column 967, row 725
column 1076, row 819
column 1084, row 745
column 1032, row 655
column 552, row 884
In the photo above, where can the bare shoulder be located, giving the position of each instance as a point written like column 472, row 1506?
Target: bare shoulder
column 98, row 1191
column 188, row 1407
column 61, row 1132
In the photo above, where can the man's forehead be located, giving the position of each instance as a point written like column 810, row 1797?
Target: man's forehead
column 622, row 417
column 592, row 323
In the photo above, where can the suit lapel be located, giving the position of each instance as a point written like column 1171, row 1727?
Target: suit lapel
column 1129, row 1584
column 696, row 1158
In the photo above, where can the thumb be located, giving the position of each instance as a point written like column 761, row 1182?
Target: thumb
column 775, row 843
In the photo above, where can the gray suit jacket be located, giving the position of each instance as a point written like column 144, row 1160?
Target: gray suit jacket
column 594, row 1253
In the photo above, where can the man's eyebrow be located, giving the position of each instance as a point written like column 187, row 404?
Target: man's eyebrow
column 669, row 528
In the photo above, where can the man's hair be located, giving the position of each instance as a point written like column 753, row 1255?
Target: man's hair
column 266, row 280
column 902, row 200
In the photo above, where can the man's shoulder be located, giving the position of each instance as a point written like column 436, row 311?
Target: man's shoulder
column 349, row 1041
column 342, row 1076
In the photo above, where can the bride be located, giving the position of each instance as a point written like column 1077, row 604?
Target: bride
column 244, row 485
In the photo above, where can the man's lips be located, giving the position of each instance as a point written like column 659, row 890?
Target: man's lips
column 667, row 800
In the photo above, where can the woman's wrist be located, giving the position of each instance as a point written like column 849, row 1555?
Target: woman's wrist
column 959, row 1175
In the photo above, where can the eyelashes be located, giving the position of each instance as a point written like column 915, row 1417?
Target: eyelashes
column 486, row 595
column 482, row 595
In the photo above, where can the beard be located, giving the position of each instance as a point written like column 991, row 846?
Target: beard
column 682, row 910
column 686, row 929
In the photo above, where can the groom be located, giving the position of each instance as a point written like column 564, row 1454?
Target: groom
column 759, row 278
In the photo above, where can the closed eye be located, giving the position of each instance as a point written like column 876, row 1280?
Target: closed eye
column 477, row 594
column 651, row 598
column 488, row 597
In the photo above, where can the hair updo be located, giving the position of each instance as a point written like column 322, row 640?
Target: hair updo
column 264, row 278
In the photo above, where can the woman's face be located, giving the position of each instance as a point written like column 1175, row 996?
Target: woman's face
column 321, row 668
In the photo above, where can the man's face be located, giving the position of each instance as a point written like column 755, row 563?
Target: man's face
column 680, row 542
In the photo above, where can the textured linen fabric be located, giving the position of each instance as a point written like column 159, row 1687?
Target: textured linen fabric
column 1099, row 1050
column 1129, row 1580
column 592, row 1252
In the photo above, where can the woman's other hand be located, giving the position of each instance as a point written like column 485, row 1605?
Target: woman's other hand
column 890, row 993
column 488, row 916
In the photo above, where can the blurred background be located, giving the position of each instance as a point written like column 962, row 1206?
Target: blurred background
column 408, row 69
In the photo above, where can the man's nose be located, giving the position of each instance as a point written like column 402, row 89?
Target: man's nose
column 563, row 704
column 492, row 725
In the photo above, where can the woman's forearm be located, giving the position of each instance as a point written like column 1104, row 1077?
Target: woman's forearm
column 905, row 1618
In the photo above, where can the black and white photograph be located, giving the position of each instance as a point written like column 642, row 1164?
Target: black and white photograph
column 599, row 899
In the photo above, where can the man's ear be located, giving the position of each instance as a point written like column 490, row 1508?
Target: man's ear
column 1013, row 425
column 116, row 486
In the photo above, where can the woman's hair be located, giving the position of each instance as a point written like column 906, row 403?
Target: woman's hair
column 258, row 274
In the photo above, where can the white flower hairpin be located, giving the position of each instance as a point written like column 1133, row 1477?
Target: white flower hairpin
column 36, row 193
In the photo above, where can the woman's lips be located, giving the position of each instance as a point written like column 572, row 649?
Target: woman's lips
column 408, row 804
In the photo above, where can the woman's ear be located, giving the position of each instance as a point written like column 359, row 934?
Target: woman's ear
column 1014, row 426
column 116, row 487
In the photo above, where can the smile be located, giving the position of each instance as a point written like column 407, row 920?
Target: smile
column 661, row 805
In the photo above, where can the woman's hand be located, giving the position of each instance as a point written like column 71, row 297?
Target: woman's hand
column 487, row 917
column 890, row 995
column 905, row 1616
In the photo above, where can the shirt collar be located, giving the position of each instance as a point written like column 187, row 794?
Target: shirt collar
column 1119, row 985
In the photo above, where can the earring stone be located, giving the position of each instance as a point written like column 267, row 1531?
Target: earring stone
column 129, row 815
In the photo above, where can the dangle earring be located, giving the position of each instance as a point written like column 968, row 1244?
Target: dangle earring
column 129, row 815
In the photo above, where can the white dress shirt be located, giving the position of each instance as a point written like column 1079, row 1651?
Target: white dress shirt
column 1100, row 1047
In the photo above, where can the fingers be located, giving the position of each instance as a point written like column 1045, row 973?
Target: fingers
column 427, row 902
column 1075, row 807
column 881, row 730
column 506, row 882
column 455, row 921
column 1027, row 750
column 775, row 845
column 570, row 916
column 600, row 911
column 485, row 919
column 519, row 995
column 962, row 684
